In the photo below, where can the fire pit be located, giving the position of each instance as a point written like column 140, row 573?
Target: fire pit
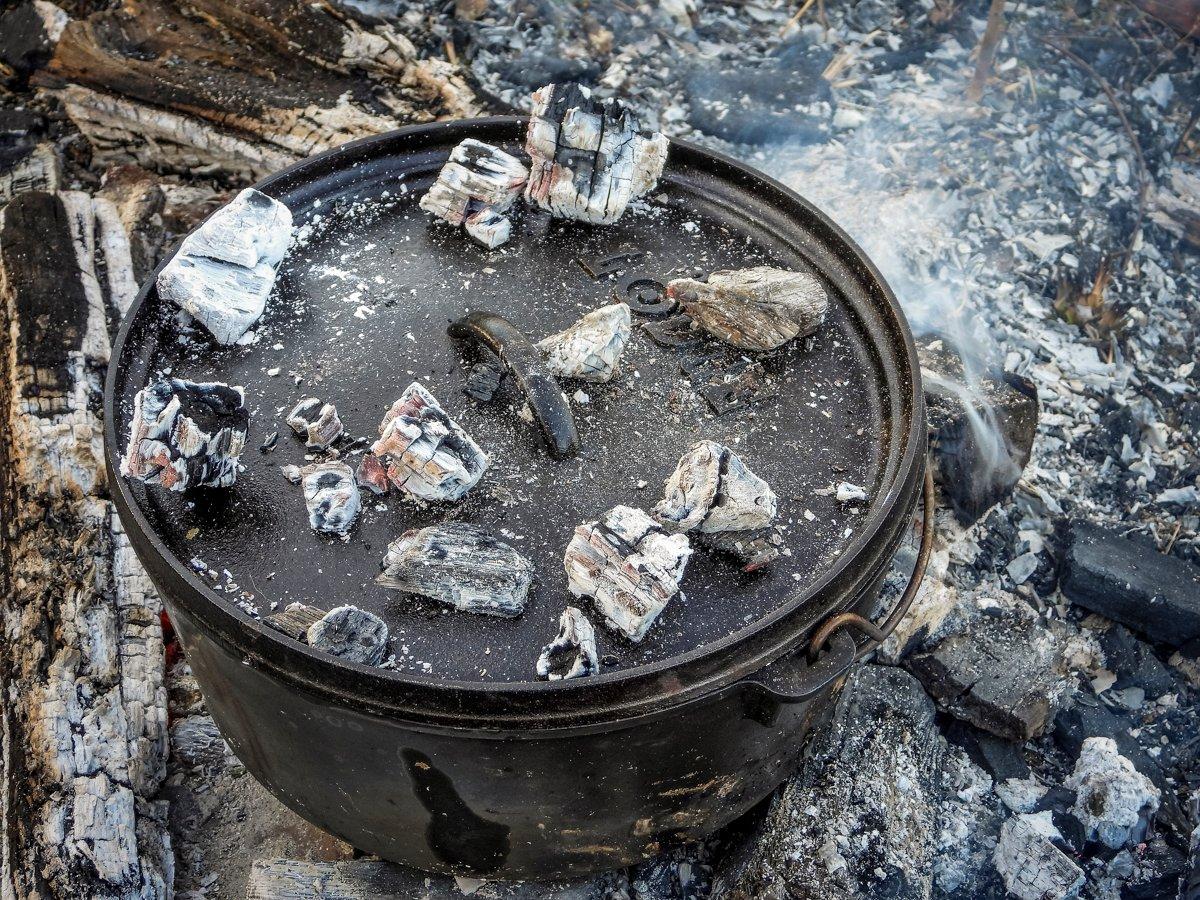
column 454, row 755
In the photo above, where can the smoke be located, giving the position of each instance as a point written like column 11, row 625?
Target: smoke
column 876, row 183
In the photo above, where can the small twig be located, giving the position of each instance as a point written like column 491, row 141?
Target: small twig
column 1171, row 542
column 1143, row 171
column 1187, row 132
column 787, row 26
column 988, row 45
column 450, row 54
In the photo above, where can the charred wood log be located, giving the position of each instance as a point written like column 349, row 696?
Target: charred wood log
column 240, row 88
column 81, row 660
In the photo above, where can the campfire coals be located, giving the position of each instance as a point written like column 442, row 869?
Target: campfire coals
column 591, row 348
column 474, row 188
column 760, row 308
column 589, row 159
column 629, row 565
column 186, row 434
column 572, row 653
column 225, row 269
column 426, row 453
column 712, row 490
column 463, row 566
column 330, row 493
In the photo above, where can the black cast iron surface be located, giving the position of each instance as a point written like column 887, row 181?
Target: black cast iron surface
column 361, row 309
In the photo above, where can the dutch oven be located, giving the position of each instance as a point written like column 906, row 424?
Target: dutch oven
column 458, row 759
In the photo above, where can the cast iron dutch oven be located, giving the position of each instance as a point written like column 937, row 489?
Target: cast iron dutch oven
column 459, row 759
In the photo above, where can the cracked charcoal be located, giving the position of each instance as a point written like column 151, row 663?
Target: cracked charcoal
column 572, row 653
column 712, row 490
column 186, row 434
column 225, row 269
column 589, row 158
column 331, row 495
column 753, row 549
column 761, row 308
column 591, row 348
column 474, row 188
column 630, row 567
column 484, row 380
column 350, row 633
column 319, row 424
column 371, row 475
column 425, row 452
column 462, row 566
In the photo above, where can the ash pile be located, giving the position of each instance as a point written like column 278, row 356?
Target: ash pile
column 1031, row 728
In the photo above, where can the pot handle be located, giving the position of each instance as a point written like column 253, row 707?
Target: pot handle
column 877, row 634
column 523, row 360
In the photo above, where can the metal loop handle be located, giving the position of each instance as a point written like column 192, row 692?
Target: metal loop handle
column 879, row 633
column 528, row 369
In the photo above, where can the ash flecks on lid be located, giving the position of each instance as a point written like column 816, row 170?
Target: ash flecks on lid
column 462, row 566
column 589, row 158
column 225, row 269
column 572, row 653
column 426, row 453
column 628, row 565
column 186, row 434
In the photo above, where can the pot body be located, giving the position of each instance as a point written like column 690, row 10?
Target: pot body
column 529, row 804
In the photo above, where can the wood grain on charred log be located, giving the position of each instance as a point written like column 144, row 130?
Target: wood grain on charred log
column 81, row 659
column 241, row 88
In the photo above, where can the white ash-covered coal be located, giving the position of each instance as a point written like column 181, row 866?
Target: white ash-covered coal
column 186, row 434
column 318, row 423
column 760, row 308
column 591, row 348
column 330, row 493
column 475, row 188
column 225, row 269
column 572, row 653
column 426, row 454
column 463, row 566
column 352, row 634
column 371, row 475
column 712, row 490
column 589, row 158
column 628, row 565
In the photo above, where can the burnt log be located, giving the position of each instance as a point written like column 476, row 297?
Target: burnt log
column 81, row 660
column 241, row 88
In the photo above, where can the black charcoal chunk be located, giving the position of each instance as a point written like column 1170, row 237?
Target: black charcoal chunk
column 1129, row 581
column 186, row 434
column 463, row 566
column 294, row 620
column 352, row 634
column 484, row 380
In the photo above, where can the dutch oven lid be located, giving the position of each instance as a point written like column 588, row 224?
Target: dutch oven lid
column 360, row 310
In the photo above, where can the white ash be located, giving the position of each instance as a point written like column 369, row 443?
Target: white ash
column 630, row 567
column 591, row 348
column 589, row 159
column 1115, row 802
column 331, row 495
column 350, row 633
column 186, row 434
column 474, row 188
column 712, row 490
column 318, row 423
column 1032, row 866
column 425, row 452
column 848, row 492
column 225, row 269
column 464, row 566
column 761, row 308
column 572, row 653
